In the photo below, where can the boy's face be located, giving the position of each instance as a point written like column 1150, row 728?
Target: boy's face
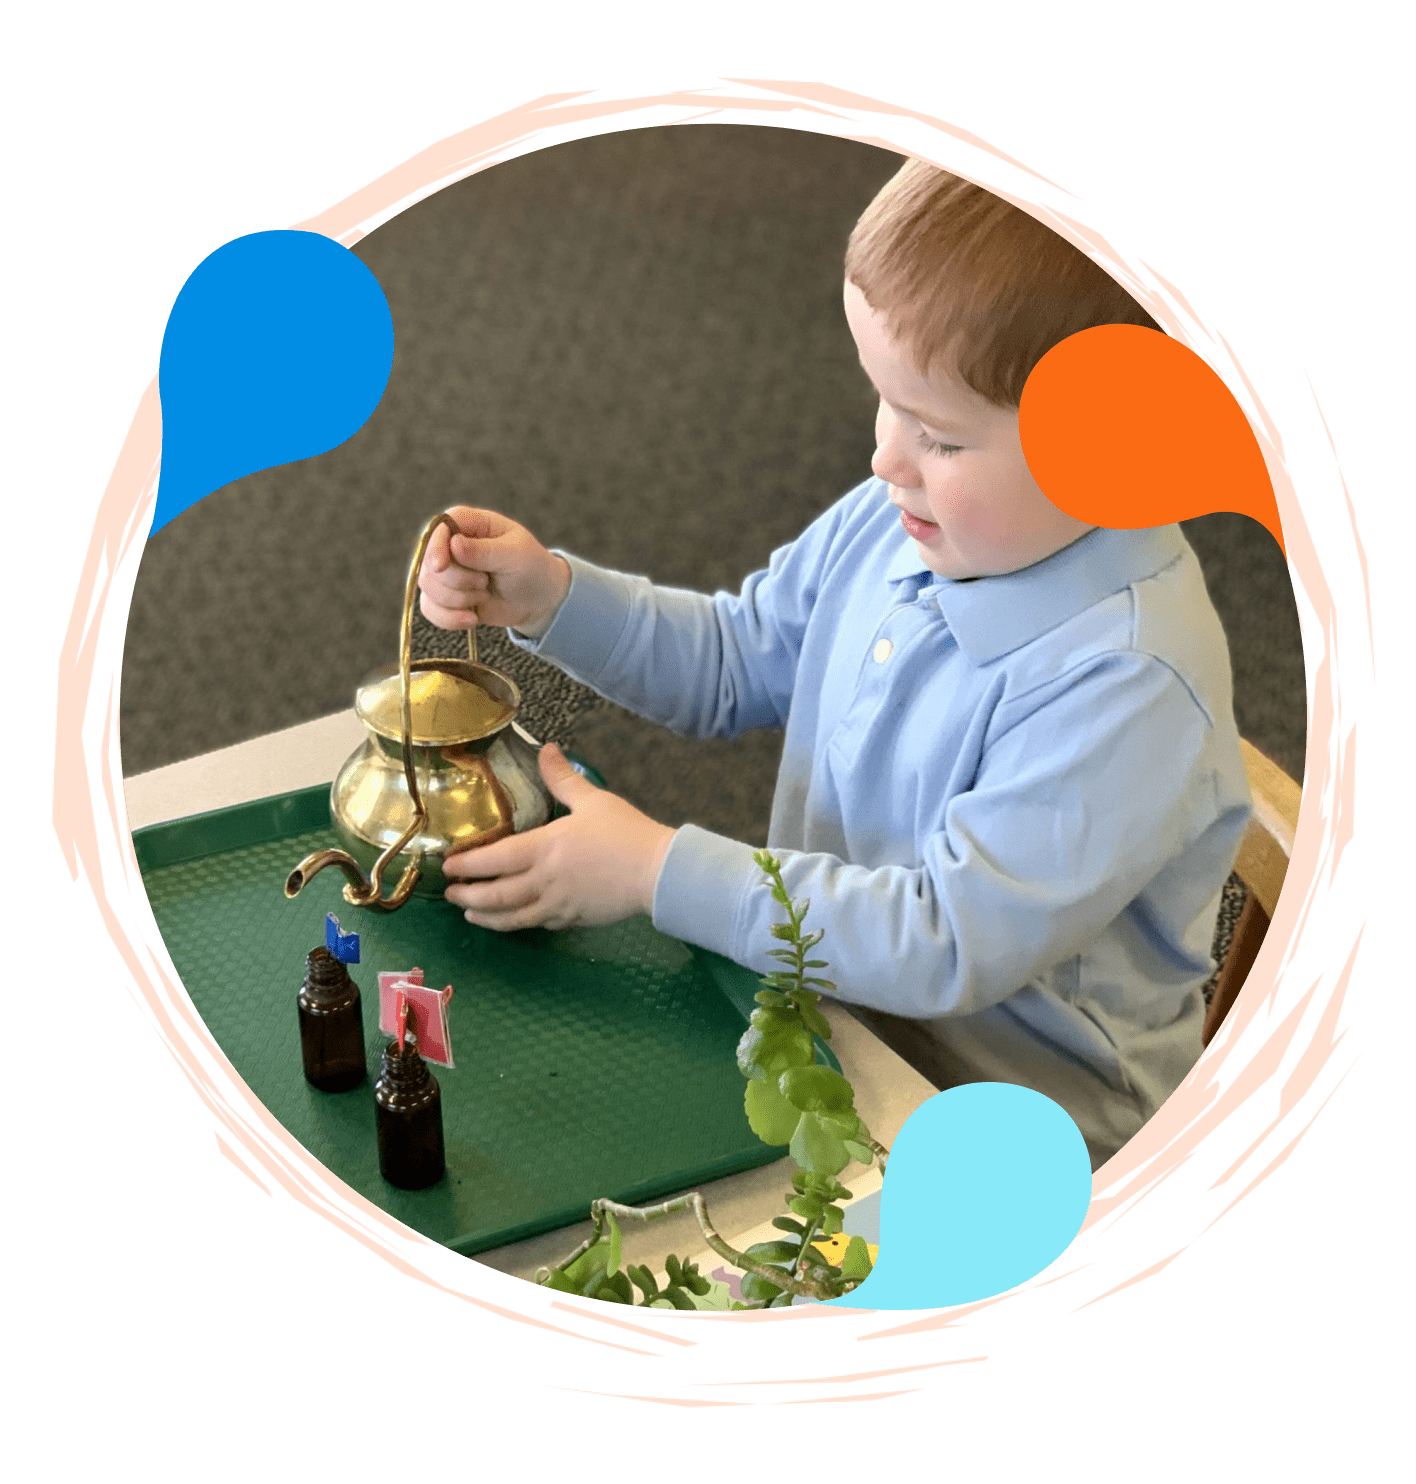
column 954, row 463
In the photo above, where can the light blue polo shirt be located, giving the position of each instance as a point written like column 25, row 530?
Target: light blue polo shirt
column 1012, row 802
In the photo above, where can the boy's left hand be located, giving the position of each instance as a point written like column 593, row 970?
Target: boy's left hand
column 595, row 866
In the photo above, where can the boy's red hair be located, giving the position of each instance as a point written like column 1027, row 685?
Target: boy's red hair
column 975, row 287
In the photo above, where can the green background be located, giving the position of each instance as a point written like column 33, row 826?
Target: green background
column 171, row 1317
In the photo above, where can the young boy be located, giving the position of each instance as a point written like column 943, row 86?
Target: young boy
column 1011, row 782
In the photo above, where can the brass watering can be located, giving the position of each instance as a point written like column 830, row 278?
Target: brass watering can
column 444, row 768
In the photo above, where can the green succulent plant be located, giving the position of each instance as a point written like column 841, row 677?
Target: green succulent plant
column 790, row 1100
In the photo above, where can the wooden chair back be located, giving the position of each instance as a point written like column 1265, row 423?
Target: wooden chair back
column 1263, row 860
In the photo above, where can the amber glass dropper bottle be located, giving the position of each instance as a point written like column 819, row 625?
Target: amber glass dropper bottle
column 331, row 1025
column 408, row 1112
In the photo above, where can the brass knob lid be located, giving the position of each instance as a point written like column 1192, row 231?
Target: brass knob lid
column 450, row 702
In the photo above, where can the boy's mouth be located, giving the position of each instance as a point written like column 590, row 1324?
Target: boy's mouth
column 915, row 528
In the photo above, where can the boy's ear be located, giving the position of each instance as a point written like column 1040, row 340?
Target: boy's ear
column 1124, row 427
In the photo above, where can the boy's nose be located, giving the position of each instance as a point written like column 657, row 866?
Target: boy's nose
column 887, row 465
column 892, row 462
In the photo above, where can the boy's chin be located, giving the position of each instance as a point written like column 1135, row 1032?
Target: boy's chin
column 949, row 564
column 959, row 566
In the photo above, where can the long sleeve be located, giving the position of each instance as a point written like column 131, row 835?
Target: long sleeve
column 1089, row 790
column 701, row 666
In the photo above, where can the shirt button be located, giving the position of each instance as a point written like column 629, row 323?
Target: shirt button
column 882, row 651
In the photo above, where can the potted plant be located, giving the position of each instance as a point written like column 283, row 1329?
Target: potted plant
column 789, row 1100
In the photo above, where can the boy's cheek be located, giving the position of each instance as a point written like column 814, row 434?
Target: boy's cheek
column 969, row 523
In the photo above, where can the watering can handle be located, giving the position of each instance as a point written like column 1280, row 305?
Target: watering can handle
column 405, row 652
column 369, row 893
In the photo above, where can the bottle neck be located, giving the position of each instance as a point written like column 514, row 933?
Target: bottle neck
column 405, row 1070
column 326, row 978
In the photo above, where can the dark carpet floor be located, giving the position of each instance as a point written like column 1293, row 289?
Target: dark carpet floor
column 634, row 345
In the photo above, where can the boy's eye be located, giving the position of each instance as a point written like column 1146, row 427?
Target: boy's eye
column 933, row 445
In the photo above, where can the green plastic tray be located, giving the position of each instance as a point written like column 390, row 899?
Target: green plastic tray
column 591, row 1062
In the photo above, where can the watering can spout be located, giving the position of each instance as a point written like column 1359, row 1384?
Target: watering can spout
column 359, row 890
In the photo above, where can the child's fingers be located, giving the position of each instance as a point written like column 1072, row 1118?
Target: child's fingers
column 538, row 914
column 447, row 618
column 491, row 553
column 477, row 532
column 444, row 550
column 471, row 521
column 437, row 555
column 453, row 599
column 454, row 580
column 566, row 785
column 495, row 898
column 512, row 856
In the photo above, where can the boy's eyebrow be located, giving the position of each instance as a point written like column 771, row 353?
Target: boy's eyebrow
column 943, row 425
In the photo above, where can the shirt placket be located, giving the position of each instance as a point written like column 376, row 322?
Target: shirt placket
column 886, row 650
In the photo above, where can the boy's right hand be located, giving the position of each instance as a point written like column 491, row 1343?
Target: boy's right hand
column 495, row 572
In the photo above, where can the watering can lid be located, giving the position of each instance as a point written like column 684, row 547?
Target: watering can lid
column 449, row 703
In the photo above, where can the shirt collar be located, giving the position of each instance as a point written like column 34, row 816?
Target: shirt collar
column 991, row 616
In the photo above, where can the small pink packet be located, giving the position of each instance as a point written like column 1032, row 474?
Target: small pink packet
column 427, row 1013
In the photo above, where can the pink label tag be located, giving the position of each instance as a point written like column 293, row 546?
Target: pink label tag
column 427, row 1013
